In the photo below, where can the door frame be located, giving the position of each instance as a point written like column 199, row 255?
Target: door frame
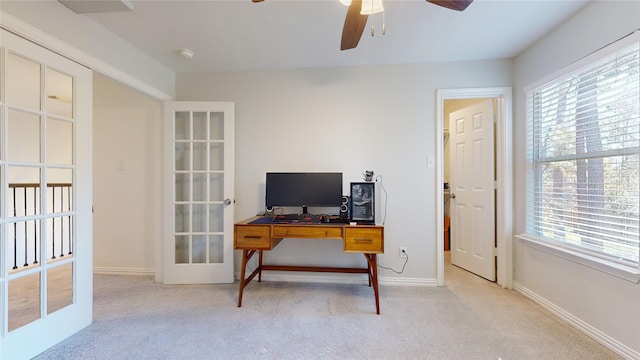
column 504, row 174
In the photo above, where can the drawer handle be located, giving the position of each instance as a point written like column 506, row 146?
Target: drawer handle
column 362, row 240
column 252, row 237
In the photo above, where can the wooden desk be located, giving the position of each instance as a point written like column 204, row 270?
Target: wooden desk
column 256, row 238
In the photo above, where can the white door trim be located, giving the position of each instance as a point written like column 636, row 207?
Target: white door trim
column 504, row 170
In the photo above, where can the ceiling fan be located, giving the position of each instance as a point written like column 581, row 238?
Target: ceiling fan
column 355, row 21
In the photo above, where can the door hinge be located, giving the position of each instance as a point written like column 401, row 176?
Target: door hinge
column 495, row 251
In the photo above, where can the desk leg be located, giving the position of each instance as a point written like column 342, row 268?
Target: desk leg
column 372, row 261
column 260, row 265
column 246, row 255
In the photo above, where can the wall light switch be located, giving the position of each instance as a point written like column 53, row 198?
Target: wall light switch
column 121, row 165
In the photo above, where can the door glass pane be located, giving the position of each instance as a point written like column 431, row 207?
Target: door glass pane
column 182, row 249
column 59, row 287
column 183, row 156
column 182, row 126
column 59, row 93
column 24, row 300
column 199, row 218
column 182, row 217
column 23, row 82
column 59, row 142
column 24, row 191
column 24, row 199
column 199, row 249
column 59, row 237
column 24, row 137
column 24, row 245
column 216, row 247
column 217, row 126
column 183, row 187
column 216, row 153
column 199, row 187
column 200, row 156
column 216, row 187
column 200, row 126
column 59, row 190
column 216, row 213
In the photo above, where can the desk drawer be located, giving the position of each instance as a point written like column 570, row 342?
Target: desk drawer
column 364, row 240
column 252, row 237
column 313, row 232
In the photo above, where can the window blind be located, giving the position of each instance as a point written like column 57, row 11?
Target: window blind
column 583, row 153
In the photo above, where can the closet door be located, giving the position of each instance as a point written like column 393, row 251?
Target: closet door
column 46, row 195
column 198, row 242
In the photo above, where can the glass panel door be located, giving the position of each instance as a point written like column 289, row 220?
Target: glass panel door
column 45, row 172
column 199, row 192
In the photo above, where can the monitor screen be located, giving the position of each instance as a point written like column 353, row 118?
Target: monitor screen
column 303, row 189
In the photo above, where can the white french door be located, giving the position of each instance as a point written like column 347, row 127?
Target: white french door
column 198, row 190
column 46, row 278
column 472, row 189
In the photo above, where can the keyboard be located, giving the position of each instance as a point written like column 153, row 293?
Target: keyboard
column 298, row 218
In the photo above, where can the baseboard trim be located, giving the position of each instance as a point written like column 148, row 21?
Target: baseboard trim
column 122, row 271
column 604, row 339
column 394, row 281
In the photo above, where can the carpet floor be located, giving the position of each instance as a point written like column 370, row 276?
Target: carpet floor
column 468, row 318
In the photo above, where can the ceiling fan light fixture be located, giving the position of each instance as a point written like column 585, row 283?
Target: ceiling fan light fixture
column 371, row 7
column 345, row 2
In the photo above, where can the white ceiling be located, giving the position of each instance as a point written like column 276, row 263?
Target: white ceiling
column 241, row 35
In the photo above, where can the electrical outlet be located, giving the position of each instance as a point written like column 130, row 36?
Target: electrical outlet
column 403, row 252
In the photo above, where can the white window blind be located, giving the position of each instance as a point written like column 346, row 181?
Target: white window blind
column 583, row 148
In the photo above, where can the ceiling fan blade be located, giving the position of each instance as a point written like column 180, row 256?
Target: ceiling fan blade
column 452, row 4
column 354, row 25
column 257, row 0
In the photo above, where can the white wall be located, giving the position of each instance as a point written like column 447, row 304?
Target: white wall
column 348, row 120
column 127, row 166
column 605, row 305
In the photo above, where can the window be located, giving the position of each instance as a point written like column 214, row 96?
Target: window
column 583, row 148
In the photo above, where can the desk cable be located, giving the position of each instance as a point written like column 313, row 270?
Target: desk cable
column 403, row 265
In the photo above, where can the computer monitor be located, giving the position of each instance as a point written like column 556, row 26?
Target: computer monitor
column 303, row 189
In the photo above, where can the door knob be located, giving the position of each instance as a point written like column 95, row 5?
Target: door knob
column 453, row 195
column 227, row 201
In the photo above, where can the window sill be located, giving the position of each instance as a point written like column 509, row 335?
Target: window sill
column 621, row 271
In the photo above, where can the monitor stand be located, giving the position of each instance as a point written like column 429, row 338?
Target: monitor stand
column 304, row 209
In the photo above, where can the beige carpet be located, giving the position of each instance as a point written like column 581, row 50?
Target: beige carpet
column 469, row 318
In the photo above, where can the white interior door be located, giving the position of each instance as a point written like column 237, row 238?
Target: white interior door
column 46, row 277
column 198, row 210
column 472, row 190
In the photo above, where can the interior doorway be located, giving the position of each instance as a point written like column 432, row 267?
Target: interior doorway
column 503, row 172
